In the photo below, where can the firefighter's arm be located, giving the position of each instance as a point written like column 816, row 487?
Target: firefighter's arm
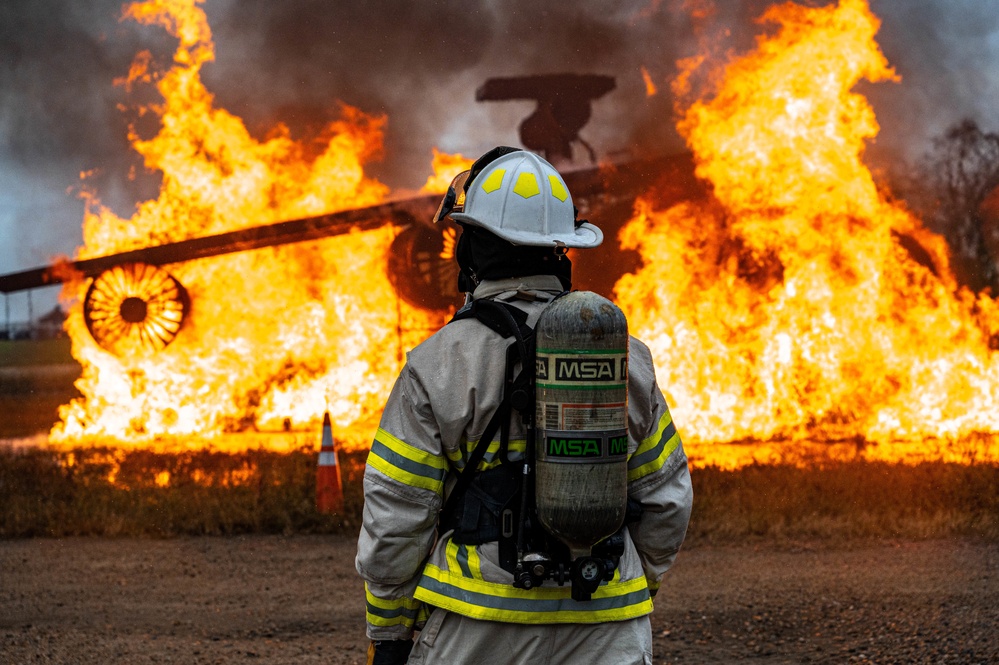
column 658, row 477
column 403, row 486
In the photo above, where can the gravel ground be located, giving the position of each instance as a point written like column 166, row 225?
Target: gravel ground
column 266, row 599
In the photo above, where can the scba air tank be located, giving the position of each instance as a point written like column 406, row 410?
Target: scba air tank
column 581, row 450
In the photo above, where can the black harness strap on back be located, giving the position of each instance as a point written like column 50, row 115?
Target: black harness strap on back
column 508, row 321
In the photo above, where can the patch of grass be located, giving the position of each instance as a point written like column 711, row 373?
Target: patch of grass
column 36, row 378
column 30, row 396
column 111, row 492
column 845, row 501
column 23, row 353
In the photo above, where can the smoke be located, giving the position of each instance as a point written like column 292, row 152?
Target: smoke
column 57, row 118
column 419, row 64
column 947, row 54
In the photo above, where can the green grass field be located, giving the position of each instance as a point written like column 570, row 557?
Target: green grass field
column 36, row 377
column 110, row 492
column 27, row 353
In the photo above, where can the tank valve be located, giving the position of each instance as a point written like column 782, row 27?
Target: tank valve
column 587, row 572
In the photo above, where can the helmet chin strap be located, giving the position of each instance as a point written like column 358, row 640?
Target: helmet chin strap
column 467, row 282
column 482, row 255
column 467, row 279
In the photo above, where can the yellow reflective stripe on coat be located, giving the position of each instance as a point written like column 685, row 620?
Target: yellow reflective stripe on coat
column 516, row 449
column 464, row 558
column 653, row 452
column 493, row 601
column 407, row 464
column 474, row 563
column 394, row 612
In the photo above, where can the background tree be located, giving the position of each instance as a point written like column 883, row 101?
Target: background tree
column 961, row 170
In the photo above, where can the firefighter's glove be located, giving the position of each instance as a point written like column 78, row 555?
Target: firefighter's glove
column 389, row 652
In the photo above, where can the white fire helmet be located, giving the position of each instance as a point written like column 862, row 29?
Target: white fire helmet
column 521, row 198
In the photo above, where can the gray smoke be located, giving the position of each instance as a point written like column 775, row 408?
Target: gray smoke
column 947, row 54
column 419, row 64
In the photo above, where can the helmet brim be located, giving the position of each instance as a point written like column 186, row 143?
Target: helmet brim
column 585, row 236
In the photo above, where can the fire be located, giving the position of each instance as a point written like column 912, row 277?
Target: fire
column 799, row 304
column 275, row 336
column 650, row 86
column 445, row 168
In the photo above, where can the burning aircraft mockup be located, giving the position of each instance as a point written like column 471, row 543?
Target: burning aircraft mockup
column 784, row 297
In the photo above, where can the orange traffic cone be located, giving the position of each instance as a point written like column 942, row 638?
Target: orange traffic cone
column 329, row 490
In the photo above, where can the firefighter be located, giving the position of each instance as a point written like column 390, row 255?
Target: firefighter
column 435, row 549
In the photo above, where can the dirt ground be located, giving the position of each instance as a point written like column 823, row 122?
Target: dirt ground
column 268, row 599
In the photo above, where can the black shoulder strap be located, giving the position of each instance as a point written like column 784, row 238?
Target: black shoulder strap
column 499, row 317
column 508, row 321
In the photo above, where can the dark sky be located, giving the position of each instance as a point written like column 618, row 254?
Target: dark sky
column 418, row 63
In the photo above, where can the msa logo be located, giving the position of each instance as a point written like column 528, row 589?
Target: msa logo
column 574, row 369
column 558, row 446
column 618, row 445
column 541, row 369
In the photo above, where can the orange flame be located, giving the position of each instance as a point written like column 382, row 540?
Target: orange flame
column 445, row 168
column 799, row 304
column 650, row 87
column 274, row 334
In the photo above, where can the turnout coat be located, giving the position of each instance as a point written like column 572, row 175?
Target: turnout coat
column 435, row 415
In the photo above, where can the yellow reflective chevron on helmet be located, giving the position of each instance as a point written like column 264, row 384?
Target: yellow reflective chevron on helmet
column 494, row 181
column 527, row 186
column 558, row 188
column 523, row 199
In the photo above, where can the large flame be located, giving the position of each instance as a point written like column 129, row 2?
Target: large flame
column 276, row 336
column 799, row 304
column 446, row 167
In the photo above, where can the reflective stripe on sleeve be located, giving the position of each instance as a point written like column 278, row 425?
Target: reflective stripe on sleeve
column 407, row 464
column 653, row 452
column 397, row 612
column 493, row 601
